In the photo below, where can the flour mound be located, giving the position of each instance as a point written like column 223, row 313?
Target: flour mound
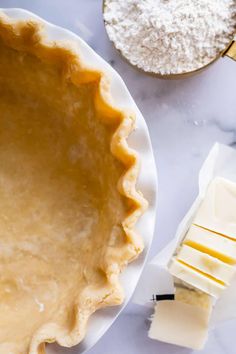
column 170, row 36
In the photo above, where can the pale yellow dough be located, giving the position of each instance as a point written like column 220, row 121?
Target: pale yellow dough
column 66, row 231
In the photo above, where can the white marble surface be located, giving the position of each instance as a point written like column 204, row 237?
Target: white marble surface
column 185, row 118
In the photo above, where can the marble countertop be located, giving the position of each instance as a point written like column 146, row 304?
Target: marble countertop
column 185, row 118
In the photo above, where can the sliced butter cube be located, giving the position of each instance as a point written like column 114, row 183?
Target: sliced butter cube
column 217, row 212
column 183, row 321
column 195, row 278
column 193, row 297
column 206, row 264
column 211, row 243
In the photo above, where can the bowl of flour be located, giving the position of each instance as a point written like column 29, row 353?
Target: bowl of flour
column 170, row 38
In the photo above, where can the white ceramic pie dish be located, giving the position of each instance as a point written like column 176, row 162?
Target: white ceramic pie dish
column 147, row 183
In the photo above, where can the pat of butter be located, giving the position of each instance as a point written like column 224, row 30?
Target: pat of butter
column 195, row 278
column 193, row 297
column 206, row 264
column 183, row 321
column 215, row 245
column 217, row 212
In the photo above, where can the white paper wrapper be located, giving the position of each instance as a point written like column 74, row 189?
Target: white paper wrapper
column 156, row 279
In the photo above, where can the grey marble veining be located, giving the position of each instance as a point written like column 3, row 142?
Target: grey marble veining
column 185, row 118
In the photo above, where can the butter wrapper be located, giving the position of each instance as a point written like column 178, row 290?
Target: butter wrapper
column 156, row 279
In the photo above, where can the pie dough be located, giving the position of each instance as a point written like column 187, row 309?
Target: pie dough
column 68, row 203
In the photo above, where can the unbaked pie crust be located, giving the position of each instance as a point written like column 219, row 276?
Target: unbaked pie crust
column 68, row 203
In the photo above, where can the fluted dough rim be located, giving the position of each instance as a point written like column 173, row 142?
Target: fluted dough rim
column 29, row 36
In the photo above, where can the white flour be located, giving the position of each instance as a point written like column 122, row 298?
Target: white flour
column 170, row 36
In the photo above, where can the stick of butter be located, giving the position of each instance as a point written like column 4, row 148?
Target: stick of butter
column 217, row 212
column 183, row 321
column 196, row 278
column 205, row 260
column 211, row 243
column 207, row 264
